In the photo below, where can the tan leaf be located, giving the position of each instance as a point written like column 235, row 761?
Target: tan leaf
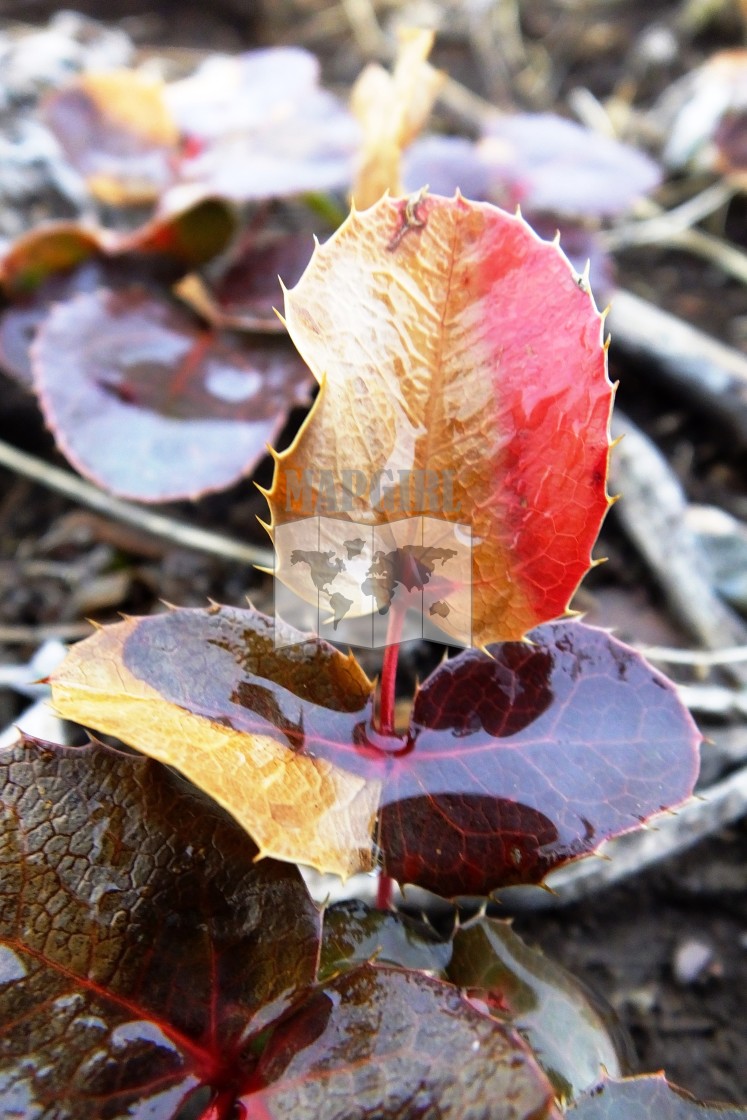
column 392, row 109
column 124, row 679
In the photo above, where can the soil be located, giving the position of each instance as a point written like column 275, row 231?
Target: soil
column 60, row 564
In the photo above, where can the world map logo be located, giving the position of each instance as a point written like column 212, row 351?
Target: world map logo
column 343, row 580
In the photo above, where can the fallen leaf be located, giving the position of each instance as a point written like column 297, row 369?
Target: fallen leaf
column 392, row 109
column 450, row 340
column 515, row 761
column 152, row 405
column 116, row 129
column 647, row 1098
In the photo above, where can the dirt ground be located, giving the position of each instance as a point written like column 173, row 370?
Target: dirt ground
column 60, row 564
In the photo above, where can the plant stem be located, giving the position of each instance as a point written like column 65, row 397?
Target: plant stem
column 387, row 726
column 388, row 686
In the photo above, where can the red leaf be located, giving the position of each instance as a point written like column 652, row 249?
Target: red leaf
column 150, row 405
column 392, row 1023
column 248, row 292
column 524, row 759
column 515, row 762
column 449, row 339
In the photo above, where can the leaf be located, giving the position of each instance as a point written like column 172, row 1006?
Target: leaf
column 647, row 1098
column 572, row 1040
column 259, row 126
column 382, row 1042
column 138, row 937
column 45, row 251
column 571, row 1036
column 392, row 109
column 549, row 165
column 246, row 294
column 448, row 338
column 237, row 726
column 553, row 165
column 116, row 129
column 150, row 964
column 515, row 761
column 355, row 934
column 189, row 237
column 151, row 405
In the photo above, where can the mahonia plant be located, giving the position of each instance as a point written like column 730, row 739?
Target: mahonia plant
column 455, row 459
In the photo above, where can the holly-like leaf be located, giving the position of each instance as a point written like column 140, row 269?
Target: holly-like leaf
column 152, row 405
column 383, row 1042
column 571, row 1038
column 138, row 937
column 515, row 761
column 450, row 339
column 647, row 1098
column 150, row 964
column 116, row 129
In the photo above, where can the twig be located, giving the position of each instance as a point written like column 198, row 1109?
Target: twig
column 712, row 375
column 714, row 700
column 33, row 635
column 670, row 223
column 702, row 816
column 157, row 524
column 702, row 659
column 652, row 514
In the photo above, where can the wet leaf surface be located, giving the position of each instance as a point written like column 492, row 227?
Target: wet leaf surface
column 451, row 339
column 647, row 1098
column 382, row 1042
column 354, row 933
column 515, row 761
column 151, row 405
column 139, row 964
column 572, row 1039
column 138, row 937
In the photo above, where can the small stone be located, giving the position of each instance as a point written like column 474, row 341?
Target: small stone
column 694, row 961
